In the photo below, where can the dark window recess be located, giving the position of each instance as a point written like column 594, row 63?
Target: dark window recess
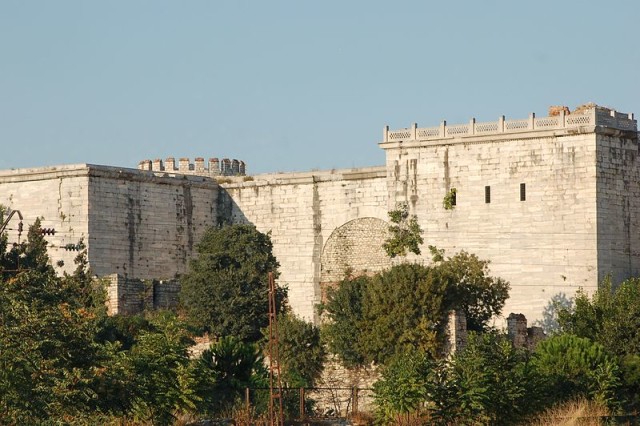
column 453, row 198
column 487, row 194
column 523, row 192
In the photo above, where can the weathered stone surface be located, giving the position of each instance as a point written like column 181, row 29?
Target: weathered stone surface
column 134, row 223
column 552, row 202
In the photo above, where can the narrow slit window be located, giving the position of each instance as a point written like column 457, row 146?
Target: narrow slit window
column 453, row 197
column 523, row 192
column 487, row 194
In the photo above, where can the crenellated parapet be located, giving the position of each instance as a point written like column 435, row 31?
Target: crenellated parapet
column 214, row 167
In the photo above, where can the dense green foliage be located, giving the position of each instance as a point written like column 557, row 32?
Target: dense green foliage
column 489, row 382
column 49, row 363
column 225, row 290
column 471, row 288
column 302, row 354
column 404, row 386
column 224, row 371
column 575, row 366
column 159, row 380
column 64, row 361
column 403, row 309
column 406, row 235
column 611, row 317
column 346, row 321
column 406, row 307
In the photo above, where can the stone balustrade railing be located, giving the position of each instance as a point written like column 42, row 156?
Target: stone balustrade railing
column 215, row 166
column 596, row 116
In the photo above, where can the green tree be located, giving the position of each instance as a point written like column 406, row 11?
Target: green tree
column 344, row 328
column 610, row 317
column 301, row 351
column 574, row 366
column 225, row 290
column 406, row 235
column 369, row 319
column 157, row 368
column 403, row 309
column 50, row 365
column 471, row 289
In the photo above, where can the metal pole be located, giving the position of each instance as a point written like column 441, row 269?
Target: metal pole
column 274, row 359
column 354, row 400
column 247, row 401
column 6, row 222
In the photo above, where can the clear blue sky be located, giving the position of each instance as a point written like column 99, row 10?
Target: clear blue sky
column 292, row 85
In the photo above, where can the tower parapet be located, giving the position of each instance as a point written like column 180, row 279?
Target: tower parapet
column 214, row 167
column 559, row 118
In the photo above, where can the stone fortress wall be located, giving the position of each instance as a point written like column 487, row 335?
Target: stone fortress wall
column 307, row 212
column 551, row 201
column 133, row 223
column 57, row 195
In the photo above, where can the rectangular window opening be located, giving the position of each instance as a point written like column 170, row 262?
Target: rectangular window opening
column 523, row 192
column 487, row 194
column 453, row 198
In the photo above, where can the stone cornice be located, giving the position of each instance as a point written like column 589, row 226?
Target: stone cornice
column 297, row 178
column 92, row 170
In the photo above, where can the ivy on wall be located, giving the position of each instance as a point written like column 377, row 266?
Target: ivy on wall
column 449, row 201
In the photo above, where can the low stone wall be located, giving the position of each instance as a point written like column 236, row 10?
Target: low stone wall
column 335, row 389
column 522, row 336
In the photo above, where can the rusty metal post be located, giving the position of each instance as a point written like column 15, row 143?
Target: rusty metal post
column 275, row 419
column 354, row 400
column 247, row 401
column 302, row 413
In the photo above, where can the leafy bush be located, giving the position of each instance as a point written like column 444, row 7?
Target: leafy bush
column 403, row 310
column 48, row 356
column 302, row 354
column 573, row 367
column 344, row 329
column 223, row 373
column 404, row 387
column 488, row 382
column 225, row 290
column 471, row 289
column 610, row 317
column 159, row 379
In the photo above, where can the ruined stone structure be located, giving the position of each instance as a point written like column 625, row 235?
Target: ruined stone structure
column 128, row 296
column 522, row 336
column 552, row 201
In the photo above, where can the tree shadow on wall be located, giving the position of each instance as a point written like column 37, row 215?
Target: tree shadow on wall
column 549, row 321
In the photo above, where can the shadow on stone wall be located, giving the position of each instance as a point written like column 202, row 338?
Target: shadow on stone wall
column 126, row 296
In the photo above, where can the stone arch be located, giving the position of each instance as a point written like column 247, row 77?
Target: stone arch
column 354, row 248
